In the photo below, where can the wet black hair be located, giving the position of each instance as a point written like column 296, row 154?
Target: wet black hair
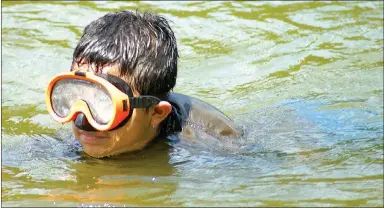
column 145, row 49
column 143, row 46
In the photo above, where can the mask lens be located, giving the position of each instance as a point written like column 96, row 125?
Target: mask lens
column 67, row 91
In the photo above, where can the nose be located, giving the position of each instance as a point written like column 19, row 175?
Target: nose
column 82, row 123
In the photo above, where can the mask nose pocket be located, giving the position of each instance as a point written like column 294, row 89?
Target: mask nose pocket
column 82, row 123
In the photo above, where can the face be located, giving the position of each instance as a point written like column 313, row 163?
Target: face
column 142, row 127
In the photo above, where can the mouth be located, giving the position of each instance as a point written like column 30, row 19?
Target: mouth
column 91, row 138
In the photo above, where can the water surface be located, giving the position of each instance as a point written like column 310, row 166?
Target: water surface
column 305, row 79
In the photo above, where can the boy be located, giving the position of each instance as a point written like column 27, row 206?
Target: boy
column 140, row 53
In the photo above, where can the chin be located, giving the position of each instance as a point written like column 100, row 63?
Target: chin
column 95, row 152
column 97, row 155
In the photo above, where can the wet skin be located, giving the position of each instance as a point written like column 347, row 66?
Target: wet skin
column 201, row 116
column 143, row 126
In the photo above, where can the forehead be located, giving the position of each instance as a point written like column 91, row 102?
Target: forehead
column 112, row 69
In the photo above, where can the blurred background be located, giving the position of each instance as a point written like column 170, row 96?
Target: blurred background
column 305, row 80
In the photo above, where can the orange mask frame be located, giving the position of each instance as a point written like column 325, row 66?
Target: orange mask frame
column 123, row 102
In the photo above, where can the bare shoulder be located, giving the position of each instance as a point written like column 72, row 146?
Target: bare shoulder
column 201, row 116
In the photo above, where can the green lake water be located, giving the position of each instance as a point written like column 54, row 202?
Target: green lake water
column 304, row 79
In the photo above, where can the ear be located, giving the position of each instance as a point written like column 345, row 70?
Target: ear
column 160, row 112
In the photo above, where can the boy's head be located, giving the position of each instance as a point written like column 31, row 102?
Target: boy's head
column 142, row 51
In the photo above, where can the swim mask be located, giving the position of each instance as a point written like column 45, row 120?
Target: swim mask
column 105, row 100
